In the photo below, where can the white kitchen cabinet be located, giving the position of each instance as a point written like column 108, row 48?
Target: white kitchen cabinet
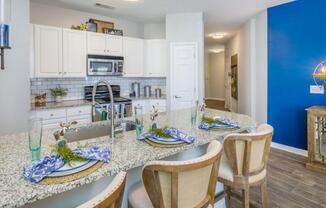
column 74, row 53
column 103, row 44
column 96, row 43
column 155, row 58
column 140, row 103
column 53, row 117
column 47, row 51
column 133, row 52
column 114, row 45
column 148, row 104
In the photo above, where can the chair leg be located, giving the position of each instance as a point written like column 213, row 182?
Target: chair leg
column 264, row 194
column 245, row 197
column 227, row 191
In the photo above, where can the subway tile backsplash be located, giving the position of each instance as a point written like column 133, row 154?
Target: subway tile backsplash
column 75, row 86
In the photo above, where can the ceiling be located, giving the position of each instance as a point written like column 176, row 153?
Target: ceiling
column 219, row 15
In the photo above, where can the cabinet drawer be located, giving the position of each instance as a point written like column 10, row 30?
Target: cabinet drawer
column 78, row 111
column 80, row 119
column 157, row 103
column 53, row 123
column 51, row 114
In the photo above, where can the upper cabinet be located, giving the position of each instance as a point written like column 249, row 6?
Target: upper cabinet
column 155, row 61
column 48, row 51
column 74, row 53
column 133, row 52
column 103, row 44
column 59, row 52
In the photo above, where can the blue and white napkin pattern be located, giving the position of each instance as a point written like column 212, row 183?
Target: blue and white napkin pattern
column 228, row 124
column 173, row 132
column 49, row 164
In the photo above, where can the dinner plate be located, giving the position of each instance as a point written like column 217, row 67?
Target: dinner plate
column 166, row 141
column 76, row 167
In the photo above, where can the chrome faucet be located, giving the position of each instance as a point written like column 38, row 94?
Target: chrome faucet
column 94, row 103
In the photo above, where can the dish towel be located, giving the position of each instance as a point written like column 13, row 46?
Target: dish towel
column 49, row 164
column 227, row 124
column 175, row 134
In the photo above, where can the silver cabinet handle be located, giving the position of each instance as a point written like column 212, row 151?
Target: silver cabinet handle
column 177, row 97
column 60, row 72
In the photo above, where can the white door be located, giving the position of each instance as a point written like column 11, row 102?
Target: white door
column 155, row 58
column 74, row 53
column 48, row 51
column 133, row 52
column 96, row 43
column 183, row 68
column 114, row 45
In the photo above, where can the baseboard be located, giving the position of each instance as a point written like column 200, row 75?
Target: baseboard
column 290, row 149
column 212, row 98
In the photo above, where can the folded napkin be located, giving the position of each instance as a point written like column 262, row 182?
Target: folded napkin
column 173, row 132
column 49, row 164
column 228, row 124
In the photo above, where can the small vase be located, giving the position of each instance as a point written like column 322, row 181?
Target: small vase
column 58, row 99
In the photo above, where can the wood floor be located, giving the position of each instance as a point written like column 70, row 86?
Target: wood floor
column 290, row 184
column 215, row 104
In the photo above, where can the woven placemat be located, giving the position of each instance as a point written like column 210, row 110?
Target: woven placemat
column 72, row 177
column 164, row 145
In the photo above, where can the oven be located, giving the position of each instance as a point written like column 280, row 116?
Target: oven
column 98, row 65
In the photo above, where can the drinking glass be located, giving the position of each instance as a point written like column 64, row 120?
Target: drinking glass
column 139, row 119
column 35, row 137
column 194, row 113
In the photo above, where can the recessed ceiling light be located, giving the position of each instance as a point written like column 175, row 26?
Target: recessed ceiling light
column 132, row 0
column 218, row 35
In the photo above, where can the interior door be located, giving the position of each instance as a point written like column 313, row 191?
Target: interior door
column 183, row 75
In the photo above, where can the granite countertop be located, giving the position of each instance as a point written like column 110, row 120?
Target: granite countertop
column 63, row 104
column 127, row 153
column 142, row 97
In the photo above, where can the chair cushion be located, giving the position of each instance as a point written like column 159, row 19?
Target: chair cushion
column 225, row 172
column 138, row 197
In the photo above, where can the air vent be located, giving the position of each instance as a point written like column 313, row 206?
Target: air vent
column 104, row 6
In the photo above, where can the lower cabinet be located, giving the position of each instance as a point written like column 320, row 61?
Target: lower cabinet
column 53, row 117
column 148, row 104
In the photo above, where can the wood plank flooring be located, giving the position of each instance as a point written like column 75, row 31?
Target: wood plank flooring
column 216, row 104
column 290, row 184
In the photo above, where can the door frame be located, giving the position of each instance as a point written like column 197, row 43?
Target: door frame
column 172, row 45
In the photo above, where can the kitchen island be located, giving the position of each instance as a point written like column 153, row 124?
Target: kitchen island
column 128, row 154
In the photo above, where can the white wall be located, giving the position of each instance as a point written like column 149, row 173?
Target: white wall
column 14, row 80
column 188, row 27
column 216, row 75
column 250, row 43
column 61, row 17
column 154, row 30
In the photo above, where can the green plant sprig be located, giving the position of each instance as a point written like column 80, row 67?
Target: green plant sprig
column 58, row 91
column 160, row 132
column 210, row 120
column 67, row 154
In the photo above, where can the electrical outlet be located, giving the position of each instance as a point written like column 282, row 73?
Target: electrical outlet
column 315, row 89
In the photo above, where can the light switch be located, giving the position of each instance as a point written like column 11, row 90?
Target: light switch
column 316, row 89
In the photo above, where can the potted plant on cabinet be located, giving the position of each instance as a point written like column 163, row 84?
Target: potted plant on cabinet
column 58, row 93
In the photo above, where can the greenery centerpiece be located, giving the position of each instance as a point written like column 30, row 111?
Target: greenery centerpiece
column 160, row 132
column 210, row 120
column 58, row 93
column 62, row 149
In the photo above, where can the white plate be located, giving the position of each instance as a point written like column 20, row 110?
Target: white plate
column 75, row 168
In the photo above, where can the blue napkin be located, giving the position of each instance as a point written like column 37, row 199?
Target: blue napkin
column 228, row 124
column 49, row 164
column 173, row 132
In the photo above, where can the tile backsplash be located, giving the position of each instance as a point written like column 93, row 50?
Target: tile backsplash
column 75, row 86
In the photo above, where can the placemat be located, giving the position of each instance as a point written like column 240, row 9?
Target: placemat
column 72, row 177
column 164, row 145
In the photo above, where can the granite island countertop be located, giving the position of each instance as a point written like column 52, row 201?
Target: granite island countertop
column 127, row 153
column 63, row 104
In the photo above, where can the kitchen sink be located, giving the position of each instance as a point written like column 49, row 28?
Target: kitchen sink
column 95, row 130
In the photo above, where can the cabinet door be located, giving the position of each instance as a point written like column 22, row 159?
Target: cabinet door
column 74, row 53
column 114, row 45
column 133, row 50
column 48, row 51
column 140, row 103
column 155, row 58
column 96, row 43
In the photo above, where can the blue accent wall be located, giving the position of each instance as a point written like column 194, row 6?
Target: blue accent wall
column 296, row 45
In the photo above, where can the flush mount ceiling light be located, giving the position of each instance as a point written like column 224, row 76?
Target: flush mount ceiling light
column 218, row 35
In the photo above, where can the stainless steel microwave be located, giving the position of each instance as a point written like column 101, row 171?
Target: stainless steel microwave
column 104, row 65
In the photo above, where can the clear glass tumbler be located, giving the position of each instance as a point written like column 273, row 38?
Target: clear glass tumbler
column 35, row 137
column 194, row 114
column 139, row 120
